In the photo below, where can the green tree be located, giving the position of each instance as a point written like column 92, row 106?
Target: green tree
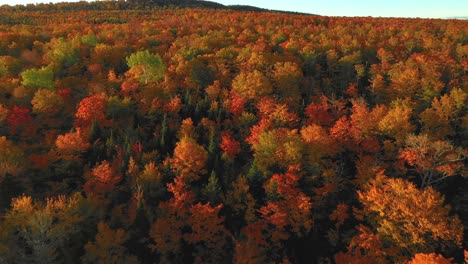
column 62, row 53
column 146, row 66
column 38, row 78
column 212, row 190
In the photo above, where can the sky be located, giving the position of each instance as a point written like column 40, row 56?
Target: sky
column 376, row 8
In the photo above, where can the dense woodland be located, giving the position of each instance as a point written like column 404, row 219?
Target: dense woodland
column 188, row 135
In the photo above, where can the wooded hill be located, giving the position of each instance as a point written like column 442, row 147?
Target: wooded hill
column 130, row 5
column 190, row 135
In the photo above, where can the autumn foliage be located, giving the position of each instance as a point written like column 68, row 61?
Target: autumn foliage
column 131, row 133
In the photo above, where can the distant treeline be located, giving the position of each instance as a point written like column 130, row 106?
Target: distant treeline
column 125, row 5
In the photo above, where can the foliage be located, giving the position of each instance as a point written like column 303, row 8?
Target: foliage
column 11, row 157
column 146, row 66
column 38, row 78
column 419, row 220
column 108, row 247
column 218, row 136
column 47, row 102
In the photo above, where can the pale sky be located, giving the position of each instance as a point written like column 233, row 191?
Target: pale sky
column 392, row 8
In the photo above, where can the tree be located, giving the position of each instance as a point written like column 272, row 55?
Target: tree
column 289, row 209
column 366, row 248
column 364, row 121
column 38, row 78
column 47, row 102
column 212, row 190
column 42, row 232
column 230, row 146
column 432, row 160
column 208, row 234
column 4, row 111
column 91, row 109
column 189, row 159
column 167, row 231
column 72, row 143
column 396, row 123
column 286, row 78
column 320, row 112
column 340, row 214
column 3, row 67
column 62, row 53
column 287, row 215
column 431, row 258
column 240, row 200
column 419, row 77
column 443, row 116
column 419, row 220
column 343, row 133
column 108, row 247
column 318, row 143
column 236, row 104
column 252, row 85
column 146, row 66
column 278, row 114
column 201, row 73
column 11, row 158
column 19, row 118
column 186, row 129
column 102, row 181
column 150, row 182
column 280, row 146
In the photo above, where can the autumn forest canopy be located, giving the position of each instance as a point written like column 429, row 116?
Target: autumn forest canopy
column 141, row 133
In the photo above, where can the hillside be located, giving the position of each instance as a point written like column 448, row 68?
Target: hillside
column 131, row 5
column 132, row 132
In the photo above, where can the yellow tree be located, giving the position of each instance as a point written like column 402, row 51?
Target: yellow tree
column 189, row 158
column 396, row 123
column 47, row 102
column 252, row 85
column 437, row 119
column 280, row 146
column 318, row 143
column 287, row 77
column 409, row 218
column 431, row 258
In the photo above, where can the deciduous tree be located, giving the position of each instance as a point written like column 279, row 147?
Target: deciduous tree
column 189, row 159
column 108, row 247
column 91, row 109
column 146, row 66
column 38, row 78
column 419, row 219
column 11, row 158
column 47, row 102
column 432, row 160
column 252, row 85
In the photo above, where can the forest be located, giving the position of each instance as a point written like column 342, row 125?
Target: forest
column 200, row 135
